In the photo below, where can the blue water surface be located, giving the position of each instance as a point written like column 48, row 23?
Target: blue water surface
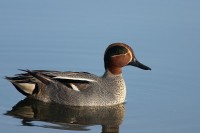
column 73, row 35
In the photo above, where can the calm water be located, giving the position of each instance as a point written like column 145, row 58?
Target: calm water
column 62, row 35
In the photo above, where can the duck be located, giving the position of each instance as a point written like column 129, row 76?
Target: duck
column 81, row 88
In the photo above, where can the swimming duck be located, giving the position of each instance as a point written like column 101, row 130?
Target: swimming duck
column 81, row 88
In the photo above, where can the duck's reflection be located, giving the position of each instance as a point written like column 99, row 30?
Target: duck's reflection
column 68, row 117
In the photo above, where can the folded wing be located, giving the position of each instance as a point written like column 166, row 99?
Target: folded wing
column 31, row 82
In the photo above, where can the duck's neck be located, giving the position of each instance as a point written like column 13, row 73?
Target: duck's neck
column 109, row 73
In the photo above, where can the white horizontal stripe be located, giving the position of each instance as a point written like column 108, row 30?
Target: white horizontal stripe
column 74, row 78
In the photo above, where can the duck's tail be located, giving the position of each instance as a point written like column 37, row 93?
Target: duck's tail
column 28, row 83
column 26, row 88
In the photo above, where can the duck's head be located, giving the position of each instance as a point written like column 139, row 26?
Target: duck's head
column 118, row 55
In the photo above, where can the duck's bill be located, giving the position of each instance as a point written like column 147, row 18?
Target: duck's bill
column 136, row 63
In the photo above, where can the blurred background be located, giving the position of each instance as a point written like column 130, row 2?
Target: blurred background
column 73, row 35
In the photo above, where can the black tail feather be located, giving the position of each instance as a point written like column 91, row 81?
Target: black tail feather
column 38, row 75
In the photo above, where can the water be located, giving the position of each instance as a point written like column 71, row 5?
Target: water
column 62, row 35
